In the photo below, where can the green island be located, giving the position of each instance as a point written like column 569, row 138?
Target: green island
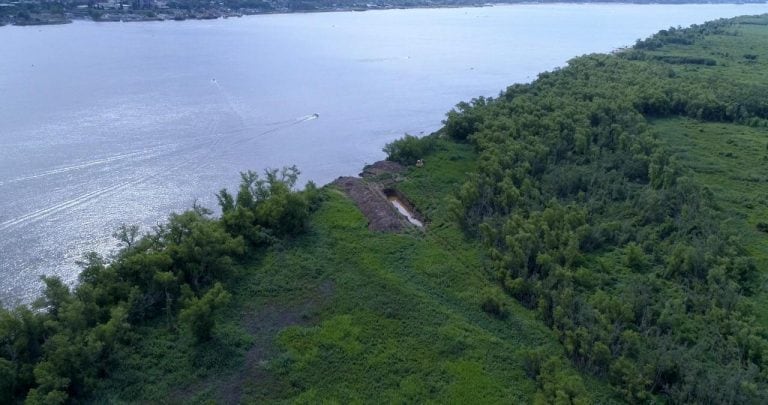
column 596, row 236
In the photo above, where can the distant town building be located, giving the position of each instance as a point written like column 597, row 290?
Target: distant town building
column 143, row 4
column 109, row 5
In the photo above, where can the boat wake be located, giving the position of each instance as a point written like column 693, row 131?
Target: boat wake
column 309, row 117
column 216, row 140
column 64, row 169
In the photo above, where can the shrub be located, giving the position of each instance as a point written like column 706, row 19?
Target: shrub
column 762, row 227
column 494, row 307
column 268, row 206
column 198, row 315
column 408, row 149
column 465, row 119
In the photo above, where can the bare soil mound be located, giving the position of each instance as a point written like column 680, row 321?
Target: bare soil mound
column 382, row 167
column 382, row 216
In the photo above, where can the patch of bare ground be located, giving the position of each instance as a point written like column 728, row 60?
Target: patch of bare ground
column 383, row 168
column 263, row 324
column 369, row 194
column 370, row 200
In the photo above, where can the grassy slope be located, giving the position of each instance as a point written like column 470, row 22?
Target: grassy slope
column 343, row 314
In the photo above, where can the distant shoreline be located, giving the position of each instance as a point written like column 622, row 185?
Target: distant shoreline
column 104, row 15
column 9, row 15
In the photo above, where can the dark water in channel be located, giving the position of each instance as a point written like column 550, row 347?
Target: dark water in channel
column 104, row 123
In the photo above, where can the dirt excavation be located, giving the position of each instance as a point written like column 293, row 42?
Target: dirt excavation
column 375, row 195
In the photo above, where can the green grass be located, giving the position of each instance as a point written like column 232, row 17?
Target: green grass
column 404, row 323
column 729, row 51
column 732, row 161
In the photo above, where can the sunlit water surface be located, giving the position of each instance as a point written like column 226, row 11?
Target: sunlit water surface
column 105, row 123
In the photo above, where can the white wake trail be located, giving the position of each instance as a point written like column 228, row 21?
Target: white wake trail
column 214, row 139
column 96, row 162
column 48, row 211
column 85, row 198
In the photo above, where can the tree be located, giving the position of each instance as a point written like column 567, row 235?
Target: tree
column 267, row 207
column 199, row 248
column 127, row 235
column 55, row 295
column 408, row 149
column 7, row 381
column 198, row 313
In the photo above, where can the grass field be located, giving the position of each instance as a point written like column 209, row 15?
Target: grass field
column 732, row 161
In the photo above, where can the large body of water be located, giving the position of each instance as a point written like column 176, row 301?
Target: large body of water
column 105, row 123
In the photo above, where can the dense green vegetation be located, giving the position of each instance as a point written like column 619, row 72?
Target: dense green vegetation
column 596, row 236
column 590, row 220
